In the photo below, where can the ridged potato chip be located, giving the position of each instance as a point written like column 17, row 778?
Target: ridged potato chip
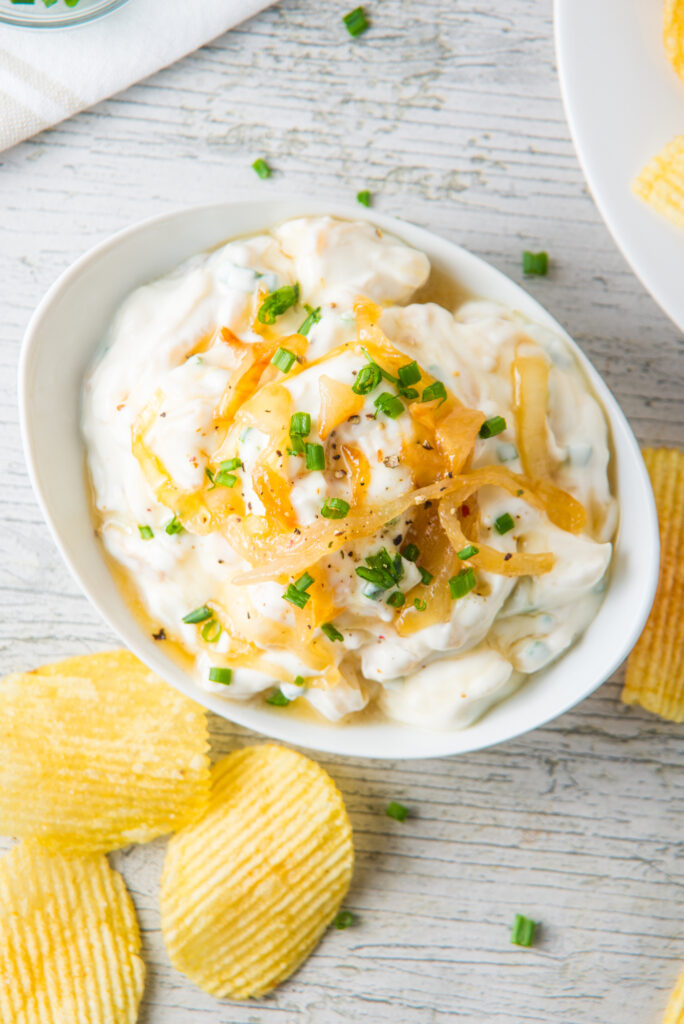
column 661, row 183
column 673, row 34
column 674, row 1014
column 655, row 668
column 249, row 889
column 69, row 940
column 97, row 752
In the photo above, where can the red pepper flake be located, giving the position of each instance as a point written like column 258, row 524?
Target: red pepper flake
column 465, row 510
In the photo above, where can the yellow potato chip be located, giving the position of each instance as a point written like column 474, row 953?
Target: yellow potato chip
column 661, row 183
column 673, row 34
column 97, row 752
column 249, row 889
column 655, row 668
column 69, row 941
column 674, row 1013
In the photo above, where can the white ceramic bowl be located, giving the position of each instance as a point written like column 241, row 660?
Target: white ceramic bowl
column 59, row 344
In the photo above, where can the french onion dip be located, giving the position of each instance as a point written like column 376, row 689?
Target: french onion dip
column 325, row 492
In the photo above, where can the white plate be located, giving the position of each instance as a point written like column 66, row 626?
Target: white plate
column 624, row 103
column 59, row 345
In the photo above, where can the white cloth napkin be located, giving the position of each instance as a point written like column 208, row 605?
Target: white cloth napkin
column 48, row 75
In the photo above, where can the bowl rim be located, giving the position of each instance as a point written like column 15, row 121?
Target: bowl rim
column 324, row 737
column 69, row 18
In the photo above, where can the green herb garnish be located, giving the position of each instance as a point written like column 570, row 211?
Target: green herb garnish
column 363, row 197
column 504, row 523
column 198, row 615
column 522, row 932
column 146, row 532
column 492, row 427
column 284, row 359
column 435, row 390
column 314, row 455
column 463, row 583
column 335, row 508
column 313, row 318
column 535, row 263
column 220, row 675
column 262, row 168
column 278, row 699
column 277, row 303
column 389, row 404
column 396, row 811
column 331, row 632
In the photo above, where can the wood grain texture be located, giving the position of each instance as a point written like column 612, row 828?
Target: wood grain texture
column 449, row 112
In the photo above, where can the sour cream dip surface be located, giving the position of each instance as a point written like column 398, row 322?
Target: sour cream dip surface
column 326, row 492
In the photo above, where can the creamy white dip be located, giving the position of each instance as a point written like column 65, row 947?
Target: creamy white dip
column 157, row 363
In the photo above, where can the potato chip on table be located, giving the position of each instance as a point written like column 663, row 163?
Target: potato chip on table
column 69, row 940
column 249, row 889
column 655, row 668
column 661, row 183
column 97, row 752
column 674, row 1014
column 673, row 34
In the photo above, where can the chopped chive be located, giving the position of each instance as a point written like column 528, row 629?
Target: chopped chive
column 224, row 479
column 522, row 932
column 367, row 379
column 363, row 197
column 313, row 318
column 504, row 523
column 230, row 464
column 198, row 615
column 435, row 390
column 220, row 675
column 536, row 263
column 262, row 168
column 356, row 21
column 208, row 473
column 344, row 919
column 335, row 508
column 314, row 456
column 300, row 424
column 146, row 532
column 396, row 811
column 383, row 373
column 297, row 446
column 409, row 373
column 425, row 576
column 411, row 553
column 419, row 605
column 278, row 699
column 304, row 582
column 378, row 577
column 211, row 631
column 408, row 392
column 299, row 681
column 463, row 583
column 396, row 599
column 296, row 597
column 389, row 404
column 492, row 427
column 468, row 552
column 284, row 359
column 174, row 526
column 331, row 632
column 277, row 303
column 373, row 592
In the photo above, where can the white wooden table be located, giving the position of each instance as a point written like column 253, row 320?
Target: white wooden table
column 449, row 112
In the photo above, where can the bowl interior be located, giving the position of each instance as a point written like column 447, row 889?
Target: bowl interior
column 59, row 344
